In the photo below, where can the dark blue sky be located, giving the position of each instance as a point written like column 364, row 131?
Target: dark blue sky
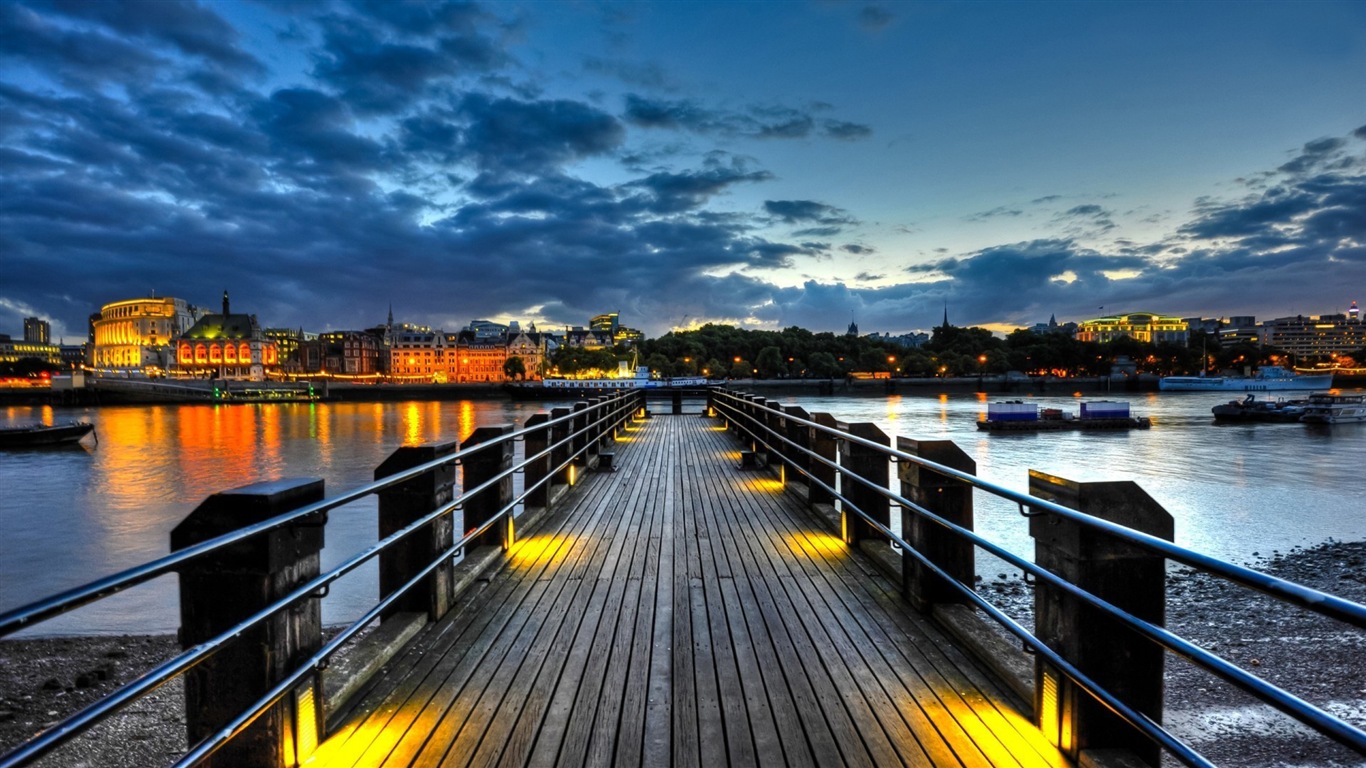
column 768, row 164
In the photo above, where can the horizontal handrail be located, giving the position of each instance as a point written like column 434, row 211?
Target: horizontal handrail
column 49, row 607
column 616, row 410
column 1290, row 592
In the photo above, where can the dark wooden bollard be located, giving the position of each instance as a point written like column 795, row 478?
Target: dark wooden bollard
column 559, row 455
column 677, row 398
column 872, row 465
column 219, row 590
column 824, row 445
column 583, row 447
column 1123, row 575
column 772, row 418
column 537, row 470
column 399, row 506
column 951, row 499
column 800, row 436
column 478, row 468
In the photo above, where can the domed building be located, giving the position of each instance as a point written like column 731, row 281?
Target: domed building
column 226, row 346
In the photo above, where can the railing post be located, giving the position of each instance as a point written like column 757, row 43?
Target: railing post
column 479, row 467
column 757, row 407
column 584, row 448
column 677, row 397
column 559, row 455
column 221, row 589
column 537, row 440
column 824, row 445
column 399, row 506
column 800, row 435
column 1119, row 573
column 951, row 499
column 773, row 421
column 871, row 465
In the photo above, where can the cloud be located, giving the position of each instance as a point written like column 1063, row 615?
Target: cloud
column 798, row 211
column 510, row 135
column 874, row 18
column 857, row 250
column 995, row 213
column 1045, row 199
column 755, row 122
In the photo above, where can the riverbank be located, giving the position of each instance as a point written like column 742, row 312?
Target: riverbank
column 1317, row 659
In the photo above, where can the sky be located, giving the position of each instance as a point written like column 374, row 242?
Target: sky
column 764, row 164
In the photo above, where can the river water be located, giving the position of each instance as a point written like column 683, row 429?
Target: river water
column 70, row 516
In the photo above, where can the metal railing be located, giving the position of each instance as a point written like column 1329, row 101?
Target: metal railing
column 580, row 431
column 751, row 417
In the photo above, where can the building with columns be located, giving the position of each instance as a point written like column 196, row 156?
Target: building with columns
column 138, row 334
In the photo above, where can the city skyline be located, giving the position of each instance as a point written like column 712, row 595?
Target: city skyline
column 683, row 163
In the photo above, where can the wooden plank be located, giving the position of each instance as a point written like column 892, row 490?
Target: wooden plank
column 689, row 615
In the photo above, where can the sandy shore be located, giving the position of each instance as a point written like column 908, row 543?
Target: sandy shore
column 1319, row 660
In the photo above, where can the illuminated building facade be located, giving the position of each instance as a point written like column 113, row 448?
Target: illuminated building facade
column 465, row 357
column 1322, row 336
column 13, row 351
column 1139, row 326
column 343, row 353
column 37, row 331
column 226, row 346
column 138, row 334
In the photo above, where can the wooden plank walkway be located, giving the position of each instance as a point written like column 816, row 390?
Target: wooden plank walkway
column 684, row 612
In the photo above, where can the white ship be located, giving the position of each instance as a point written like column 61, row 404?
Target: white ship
column 1269, row 378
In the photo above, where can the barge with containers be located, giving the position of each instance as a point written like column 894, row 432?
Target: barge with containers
column 1019, row 416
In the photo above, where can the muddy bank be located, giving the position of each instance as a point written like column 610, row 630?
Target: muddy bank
column 1317, row 659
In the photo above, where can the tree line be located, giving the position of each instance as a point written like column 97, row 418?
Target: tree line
column 724, row 351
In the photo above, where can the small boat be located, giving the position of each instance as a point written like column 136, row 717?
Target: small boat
column 1267, row 379
column 44, row 435
column 1252, row 409
column 1334, row 409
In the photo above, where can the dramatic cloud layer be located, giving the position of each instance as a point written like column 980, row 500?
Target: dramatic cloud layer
column 322, row 162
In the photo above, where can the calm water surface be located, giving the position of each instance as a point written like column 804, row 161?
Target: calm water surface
column 70, row 516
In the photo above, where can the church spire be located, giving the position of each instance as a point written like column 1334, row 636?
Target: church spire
column 946, row 313
column 225, row 304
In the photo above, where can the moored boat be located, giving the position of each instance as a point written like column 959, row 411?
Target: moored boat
column 1334, row 409
column 1269, row 378
column 1019, row 416
column 44, row 435
column 1252, row 409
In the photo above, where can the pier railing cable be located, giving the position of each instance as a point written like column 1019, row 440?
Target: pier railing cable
column 735, row 408
column 599, row 417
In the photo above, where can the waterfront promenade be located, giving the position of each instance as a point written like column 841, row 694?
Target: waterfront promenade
column 685, row 612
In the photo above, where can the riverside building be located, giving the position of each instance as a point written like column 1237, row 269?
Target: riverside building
column 138, row 334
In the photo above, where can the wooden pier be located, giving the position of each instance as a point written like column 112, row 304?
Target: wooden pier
column 683, row 611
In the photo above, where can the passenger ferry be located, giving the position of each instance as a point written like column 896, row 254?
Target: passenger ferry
column 1334, row 409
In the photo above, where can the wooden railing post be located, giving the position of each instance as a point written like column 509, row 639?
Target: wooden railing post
column 947, row 497
column 871, row 465
column 800, row 435
column 758, row 407
column 677, row 397
column 219, row 590
column 537, row 440
column 399, row 506
column 584, row 447
column 774, row 421
column 559, row 435
column 477, row 468
column 824, row 445
column 1126, row 576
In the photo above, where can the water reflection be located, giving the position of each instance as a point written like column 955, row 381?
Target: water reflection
column 73, row 516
